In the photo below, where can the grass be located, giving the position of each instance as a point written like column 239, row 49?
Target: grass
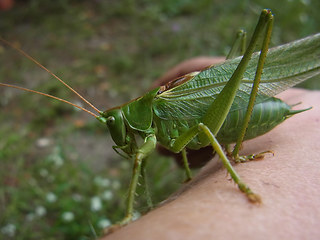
column 57, row 177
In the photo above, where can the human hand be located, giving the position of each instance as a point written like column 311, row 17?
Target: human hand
column 212, row 207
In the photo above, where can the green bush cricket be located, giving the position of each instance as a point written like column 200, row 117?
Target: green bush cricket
column 219, row 105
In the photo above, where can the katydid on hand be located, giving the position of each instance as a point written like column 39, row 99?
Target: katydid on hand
column 221, row 105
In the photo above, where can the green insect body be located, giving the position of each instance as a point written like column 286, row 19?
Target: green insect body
column 221, row 104
column 169, row 113
column 265, row 116
column 183, row 106
column 189, row 112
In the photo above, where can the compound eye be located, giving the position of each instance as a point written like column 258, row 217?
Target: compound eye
column 111, row 120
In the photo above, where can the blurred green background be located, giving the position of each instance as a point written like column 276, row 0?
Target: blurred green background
column 59, row 177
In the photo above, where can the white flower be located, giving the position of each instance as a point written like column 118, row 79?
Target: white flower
column 103, row 223
column 32, row 182
column 43, row 142
column 96, row 204
column 306, row 2
column 30, row 217
column 51, row 197
column 56, row 158
column 43, row 172
column 40, row 211
column 303, row 18
column 77, row 197
column 136, row 215
column 67, row 216
column 79, row 103
column 103, row 182
column 107, row 195
column 116, row 184
column 9, row 230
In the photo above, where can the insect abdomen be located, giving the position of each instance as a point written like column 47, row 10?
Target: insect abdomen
column 265, row 116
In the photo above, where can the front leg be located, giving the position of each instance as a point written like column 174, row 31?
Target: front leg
column 186, row 165
column 143, row 152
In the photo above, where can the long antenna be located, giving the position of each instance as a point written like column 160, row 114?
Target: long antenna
column 48, row 95
column 47, row 70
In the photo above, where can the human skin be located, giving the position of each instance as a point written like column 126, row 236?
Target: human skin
column 212, row 207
